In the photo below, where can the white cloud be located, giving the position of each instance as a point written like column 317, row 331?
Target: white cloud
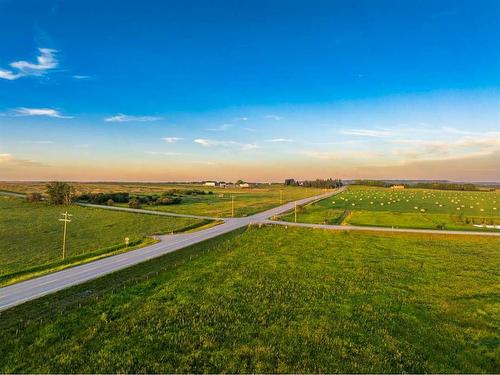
column 273, row 117
column 172, row 139
column 120, row 117
column 39, row 142
column 5, row 157
column 81, row 77
column 45, row 61
column 220, row 128
column 10, row 161
column 279, row 140
column 49, row 112
column 225, row 144
column 241, row 119
column 163, row 153
column 368, row 133
column 343, row 155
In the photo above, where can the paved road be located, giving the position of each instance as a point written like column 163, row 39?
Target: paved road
column 141, row 211
column 31, row 289
column 19, row 293
column 382, row 229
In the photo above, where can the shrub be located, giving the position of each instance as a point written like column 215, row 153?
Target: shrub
column 110, row 202
column 134, row 203
column 34, row 197
column 170, row 200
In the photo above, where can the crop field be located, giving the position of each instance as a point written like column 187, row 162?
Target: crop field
column 31, row 234
column 247, row 201
column 275, row 300
column 406, row 208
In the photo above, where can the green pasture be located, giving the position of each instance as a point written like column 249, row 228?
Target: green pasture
column 246, row 201
column 275, row 300
column 31, row 233
column 405, row 208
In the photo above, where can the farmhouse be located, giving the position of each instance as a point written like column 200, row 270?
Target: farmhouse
column 244, row 185
column 397, row 187
column 211, row 183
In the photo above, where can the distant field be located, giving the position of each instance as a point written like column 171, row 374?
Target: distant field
column 31, row 235
column 275, row 300
column 247, row 201
column 408, row 208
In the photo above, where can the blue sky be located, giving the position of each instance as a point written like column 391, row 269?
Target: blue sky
column 261, row 90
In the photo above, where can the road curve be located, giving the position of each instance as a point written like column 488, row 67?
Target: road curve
column 142, row 211
column 24, row 291
column 19, row 293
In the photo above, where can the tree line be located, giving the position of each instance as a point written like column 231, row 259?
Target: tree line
column 421, row 185
column 329, row 183
column 62, row 193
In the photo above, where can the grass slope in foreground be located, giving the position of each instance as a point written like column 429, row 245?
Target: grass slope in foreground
column 31, row 234
column 408, row 208
column 275, row 300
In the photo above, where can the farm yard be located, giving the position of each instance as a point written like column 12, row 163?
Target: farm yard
column 31, row 234
column 406, row 208
column 256, row 301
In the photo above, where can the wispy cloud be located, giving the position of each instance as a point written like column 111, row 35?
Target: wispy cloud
column 5, row 158
column 9, row 160
column 39, row 142
column 48, row 112
column 273, row 117
column 225, row 144
column 487, row 143
column 172, row 139
column 162, row 153
column 368, row 133
column 81, row 77
column 120, row 117
column 342, row 155
column 220, row 128
column 45, row 61
column 241, row 119
column 279, row 140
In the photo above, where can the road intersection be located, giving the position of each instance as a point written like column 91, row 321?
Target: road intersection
column 24, row 291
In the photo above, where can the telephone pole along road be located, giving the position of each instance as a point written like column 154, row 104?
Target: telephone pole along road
column 28, row 290
column 24, row 291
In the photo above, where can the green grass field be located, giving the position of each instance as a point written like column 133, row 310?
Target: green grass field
column 408, row 208
column 31, row 235
column 247, row 201
column 275, row 300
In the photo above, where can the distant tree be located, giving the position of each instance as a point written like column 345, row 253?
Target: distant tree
column 330, row 183
column 240, row 182
column 377, row 183
column 34, row 197
column 290, row 182
column 134, row 203
column 60, row 192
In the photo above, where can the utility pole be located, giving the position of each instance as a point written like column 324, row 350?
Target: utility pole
column 232, row 205
column 66, row 221
column 295, row 211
